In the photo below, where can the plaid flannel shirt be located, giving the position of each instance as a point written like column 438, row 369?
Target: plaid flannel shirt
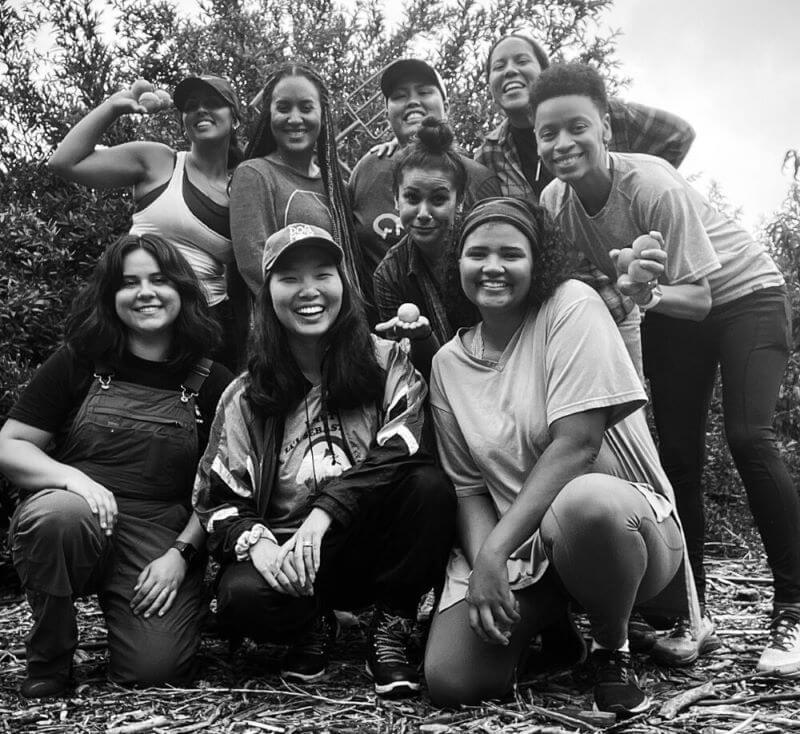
column 635, row 128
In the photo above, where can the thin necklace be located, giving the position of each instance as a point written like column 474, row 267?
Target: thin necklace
column 221, row 188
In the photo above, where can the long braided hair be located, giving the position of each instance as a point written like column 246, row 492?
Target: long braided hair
column 263, row 142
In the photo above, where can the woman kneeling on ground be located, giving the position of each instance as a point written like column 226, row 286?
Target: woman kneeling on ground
column 104, row 444
column 560, row 494
column 314, row 489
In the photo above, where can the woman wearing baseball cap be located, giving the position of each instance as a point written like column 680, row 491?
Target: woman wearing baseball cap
column 413, row 90
column 316, row 490
column 180, row 196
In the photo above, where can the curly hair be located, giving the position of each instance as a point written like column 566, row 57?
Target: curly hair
column 95, row 331
column 550, row 263
column 432, row 149
column 351, row 375
column 262, row 142
column 561, row 80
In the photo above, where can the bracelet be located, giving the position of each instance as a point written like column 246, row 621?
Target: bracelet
column 655, row 298
column 249, row 538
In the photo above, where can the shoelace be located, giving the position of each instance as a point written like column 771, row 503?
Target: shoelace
column 389, row 639
column 613, row 666
column 784, row 632
column 682, row 629
column 316, row 641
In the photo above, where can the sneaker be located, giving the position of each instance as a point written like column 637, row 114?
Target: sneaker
column 641, row 634
column 782, row 654
column 616, row 688
column 307, row 659
column 387, row 654
column 681, row 647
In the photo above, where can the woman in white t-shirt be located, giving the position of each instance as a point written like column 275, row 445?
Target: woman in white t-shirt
column 560, row 493
column 721, row 302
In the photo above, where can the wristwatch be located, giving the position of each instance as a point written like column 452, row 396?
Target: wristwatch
column 187, row 550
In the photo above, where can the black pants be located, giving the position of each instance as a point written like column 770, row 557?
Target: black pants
column 749, row 340
column 395, row 549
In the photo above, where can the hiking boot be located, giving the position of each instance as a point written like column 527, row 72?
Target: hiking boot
column 782, row 653
column 641, row 634
column 616, row 688
column 307, row 659
column 387, row 654
column 44, row 687
column 681, row 647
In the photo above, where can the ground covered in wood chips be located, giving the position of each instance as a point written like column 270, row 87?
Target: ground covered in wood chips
column 242, row 693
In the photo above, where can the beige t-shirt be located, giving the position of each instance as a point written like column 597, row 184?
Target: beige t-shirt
column 493, row 420
column 649, row 194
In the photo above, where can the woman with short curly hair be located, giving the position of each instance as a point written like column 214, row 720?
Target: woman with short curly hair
column 560, row 493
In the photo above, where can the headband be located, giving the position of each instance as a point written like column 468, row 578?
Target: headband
column 501, row 209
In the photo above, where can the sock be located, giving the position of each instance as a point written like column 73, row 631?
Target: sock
column 625, row 647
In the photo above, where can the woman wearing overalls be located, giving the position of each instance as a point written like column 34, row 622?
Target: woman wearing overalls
column 104, row 445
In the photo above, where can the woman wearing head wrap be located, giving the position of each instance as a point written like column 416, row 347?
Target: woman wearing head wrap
column 560, row 493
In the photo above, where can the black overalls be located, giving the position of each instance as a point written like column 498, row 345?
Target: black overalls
column 141, row 444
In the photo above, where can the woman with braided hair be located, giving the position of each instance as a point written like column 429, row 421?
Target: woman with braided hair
column 291, row 172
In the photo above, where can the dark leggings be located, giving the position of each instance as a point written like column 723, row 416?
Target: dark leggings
column 393, row 551
column 750, row 340
column 607, row 552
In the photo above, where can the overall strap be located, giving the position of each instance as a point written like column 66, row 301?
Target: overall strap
column 195, row 379
column 103, row 371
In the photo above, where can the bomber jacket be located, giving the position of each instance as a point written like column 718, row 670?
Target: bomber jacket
column 237, row 472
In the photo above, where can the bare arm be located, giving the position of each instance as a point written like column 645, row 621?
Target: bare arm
column 130, row 164
column 571, row 453
column 24, row 461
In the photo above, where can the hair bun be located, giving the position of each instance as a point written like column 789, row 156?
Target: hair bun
column 435, row 135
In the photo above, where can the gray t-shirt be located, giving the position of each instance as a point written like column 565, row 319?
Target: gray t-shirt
column 649, row 194
column 493, row 420
column 267, row 196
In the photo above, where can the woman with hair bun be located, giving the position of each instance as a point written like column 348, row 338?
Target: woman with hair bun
column 103, row 444
column 181, row 196
column 429, row 184
column 291, row 172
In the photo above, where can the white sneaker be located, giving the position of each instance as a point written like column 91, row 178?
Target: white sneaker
column 782, row 654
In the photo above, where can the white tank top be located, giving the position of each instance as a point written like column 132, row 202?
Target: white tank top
column 169, row 216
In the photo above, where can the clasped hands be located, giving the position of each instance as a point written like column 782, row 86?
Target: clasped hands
column 640, row 266
column 493, row 608
column 292, row 568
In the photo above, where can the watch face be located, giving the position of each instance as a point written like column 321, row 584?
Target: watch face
column 187, row 550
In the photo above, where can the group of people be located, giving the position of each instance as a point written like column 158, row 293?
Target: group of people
column 488, row 443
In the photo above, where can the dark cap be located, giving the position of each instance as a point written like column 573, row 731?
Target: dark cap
column 404, row 69
column 222, row 87
column 293, row 235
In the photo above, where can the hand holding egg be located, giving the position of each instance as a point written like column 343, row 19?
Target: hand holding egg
column 407, row 323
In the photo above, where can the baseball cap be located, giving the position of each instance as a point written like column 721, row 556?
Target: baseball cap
column 222, row 87
column 403, row 69
column 293, row 235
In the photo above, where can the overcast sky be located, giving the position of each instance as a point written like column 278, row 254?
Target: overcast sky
column 732, row 69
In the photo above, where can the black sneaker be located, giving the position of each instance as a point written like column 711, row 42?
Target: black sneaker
column 615, row 686
column 387, row 654
column 307, row 659
column 641, row 634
